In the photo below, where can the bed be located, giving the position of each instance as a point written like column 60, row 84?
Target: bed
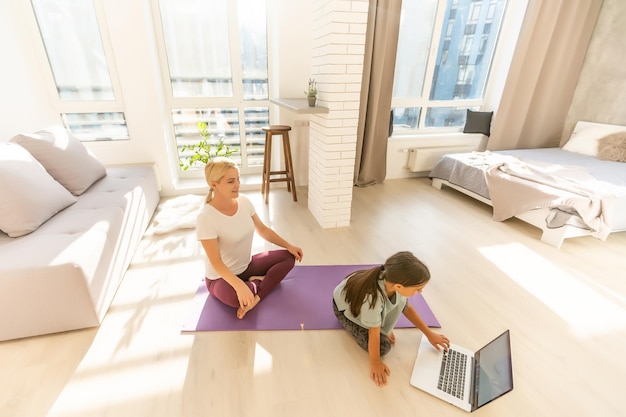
column 576, row 190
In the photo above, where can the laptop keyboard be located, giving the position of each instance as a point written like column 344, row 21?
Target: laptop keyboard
column 452, row 374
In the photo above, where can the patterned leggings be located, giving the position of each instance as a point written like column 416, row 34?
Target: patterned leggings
column 361, row 334
column 273, row 265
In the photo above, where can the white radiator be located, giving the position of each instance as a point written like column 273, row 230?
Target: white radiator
column 424, row 159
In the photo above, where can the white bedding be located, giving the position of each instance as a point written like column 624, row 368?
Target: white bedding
column 468, row 171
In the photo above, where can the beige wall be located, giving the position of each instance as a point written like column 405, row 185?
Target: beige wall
column 600, row 94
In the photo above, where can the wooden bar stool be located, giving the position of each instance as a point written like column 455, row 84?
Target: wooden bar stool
column 287, row 174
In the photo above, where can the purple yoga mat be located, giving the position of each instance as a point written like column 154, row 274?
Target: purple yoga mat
column 303, row 300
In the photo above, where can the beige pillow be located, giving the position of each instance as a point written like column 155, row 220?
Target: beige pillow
column 29, row 195
column 613, row 147
column 64, row 157
column 585, row 136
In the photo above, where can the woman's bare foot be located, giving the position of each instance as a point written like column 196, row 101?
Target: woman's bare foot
column 392, row 338
column 242, row 311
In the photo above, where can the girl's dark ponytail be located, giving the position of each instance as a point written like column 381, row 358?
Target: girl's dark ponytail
column 361, row 284
column 401, row 268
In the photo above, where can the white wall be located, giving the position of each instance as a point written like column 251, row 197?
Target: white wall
column 290, row 27
column 600, row 95
column 339, row 30
column 25, row 103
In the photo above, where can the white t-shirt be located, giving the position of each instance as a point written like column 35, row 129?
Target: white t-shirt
column 234, row 235
column 385, row 313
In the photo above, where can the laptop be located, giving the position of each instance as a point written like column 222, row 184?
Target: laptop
column 483, row 376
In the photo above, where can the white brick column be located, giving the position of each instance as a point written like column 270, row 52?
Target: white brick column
column 338, row 44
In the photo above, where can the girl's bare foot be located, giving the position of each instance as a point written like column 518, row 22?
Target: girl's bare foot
column 242, row 311
column 392, row 338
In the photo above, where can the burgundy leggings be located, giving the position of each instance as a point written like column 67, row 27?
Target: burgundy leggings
column 274, row 265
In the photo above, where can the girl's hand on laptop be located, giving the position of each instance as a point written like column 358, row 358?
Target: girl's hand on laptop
column 439, row 341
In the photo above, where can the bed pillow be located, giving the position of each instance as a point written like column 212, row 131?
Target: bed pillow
column 478, row 122
column 64, row 157
column 30, row 196
column 613, row 147
column 584, row 139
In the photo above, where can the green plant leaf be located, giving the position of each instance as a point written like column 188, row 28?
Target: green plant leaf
column 206, row 149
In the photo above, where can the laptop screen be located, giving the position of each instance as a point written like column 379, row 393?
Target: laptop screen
column 494, row 370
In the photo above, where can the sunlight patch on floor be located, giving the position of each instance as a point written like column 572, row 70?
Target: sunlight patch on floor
column 121, row 387
column 587, row 311
column 263, row 361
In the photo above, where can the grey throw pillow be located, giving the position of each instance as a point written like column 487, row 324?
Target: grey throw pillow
column 64, row 157
column 29, row 196
column 478, row 122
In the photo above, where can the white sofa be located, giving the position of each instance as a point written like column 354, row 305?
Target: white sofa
column 62, row 273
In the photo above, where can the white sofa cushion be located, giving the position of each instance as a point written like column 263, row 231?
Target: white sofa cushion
column 64, row 275
column 64, row 157
column 29, row 195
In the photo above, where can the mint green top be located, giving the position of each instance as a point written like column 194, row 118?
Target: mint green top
column 384, row 314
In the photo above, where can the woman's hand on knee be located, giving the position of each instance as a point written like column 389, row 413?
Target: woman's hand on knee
column 296, row 252
column 244, row 295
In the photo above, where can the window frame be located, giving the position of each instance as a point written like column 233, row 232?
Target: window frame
column 67, row 108
column 201, row 103
column 424, row 103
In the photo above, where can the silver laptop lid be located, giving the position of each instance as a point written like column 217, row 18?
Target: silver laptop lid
column 493, row 373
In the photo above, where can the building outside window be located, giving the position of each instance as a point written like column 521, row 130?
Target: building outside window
column 444, row 56
column 215, row 58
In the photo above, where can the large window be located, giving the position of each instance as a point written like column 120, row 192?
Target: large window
column 216, row 64
column 445, row 50
column 85, row 84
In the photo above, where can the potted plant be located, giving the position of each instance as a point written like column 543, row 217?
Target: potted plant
column 311, row 92
column 209, row 147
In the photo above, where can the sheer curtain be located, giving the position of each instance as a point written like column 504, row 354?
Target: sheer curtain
column 544, row 72
column 378, row 67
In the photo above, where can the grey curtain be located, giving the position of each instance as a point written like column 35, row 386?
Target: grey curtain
column 544, row 73
column 381, row 42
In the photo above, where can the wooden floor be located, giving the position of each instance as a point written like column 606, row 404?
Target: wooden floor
column 566, row 310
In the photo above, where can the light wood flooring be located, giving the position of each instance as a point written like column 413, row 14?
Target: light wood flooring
column 566, row 310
